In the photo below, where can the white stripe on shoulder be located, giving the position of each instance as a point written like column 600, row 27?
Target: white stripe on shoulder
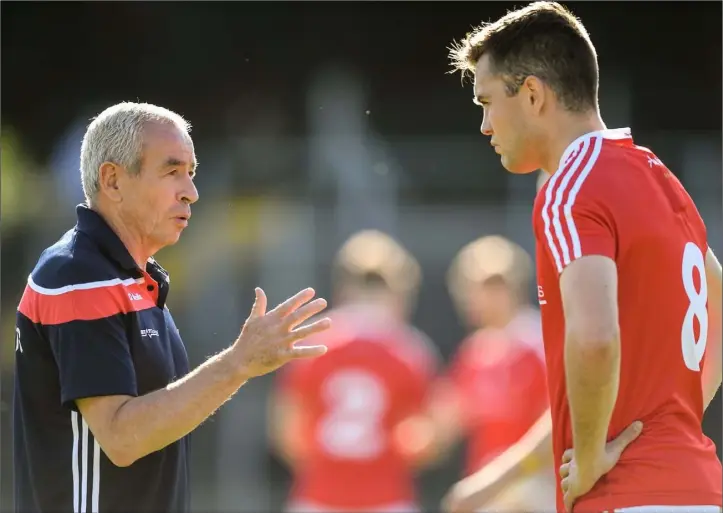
column 81, row 286
column 565, row 174
column 576, row 249
column 555, row 209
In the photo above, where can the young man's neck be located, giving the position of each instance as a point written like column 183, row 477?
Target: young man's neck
column 129, row 237
column 565, row 130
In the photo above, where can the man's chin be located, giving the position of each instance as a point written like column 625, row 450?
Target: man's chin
column 516, row 168
column 173, row 238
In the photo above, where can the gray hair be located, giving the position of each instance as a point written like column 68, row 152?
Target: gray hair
column 116, row 135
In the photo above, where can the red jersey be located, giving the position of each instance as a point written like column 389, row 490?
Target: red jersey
column 376, row 374
column 500, row 381
column 610, row 197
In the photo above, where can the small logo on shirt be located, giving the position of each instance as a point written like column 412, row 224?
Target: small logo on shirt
column 541, row 295
column 654, row 161
column 134, row 296
column 150, row 333
column 18, row 345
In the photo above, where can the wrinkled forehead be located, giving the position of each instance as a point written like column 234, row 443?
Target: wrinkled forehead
column 168, row 140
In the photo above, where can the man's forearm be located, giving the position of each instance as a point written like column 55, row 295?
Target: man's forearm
column 532, row 450
column 592, row 369
column 150, row 422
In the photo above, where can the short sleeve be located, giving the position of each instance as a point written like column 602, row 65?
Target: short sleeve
column 574, row 224
column 93, row 358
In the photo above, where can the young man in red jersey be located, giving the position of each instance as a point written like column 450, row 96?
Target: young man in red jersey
column 630, row 292
column 353, row 429
column 496, row 386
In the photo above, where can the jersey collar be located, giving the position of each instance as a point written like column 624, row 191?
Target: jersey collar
column 612, row 134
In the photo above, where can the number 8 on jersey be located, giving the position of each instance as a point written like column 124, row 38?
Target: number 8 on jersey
column 693, row 349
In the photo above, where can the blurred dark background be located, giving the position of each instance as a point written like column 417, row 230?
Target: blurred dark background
column 313, row 120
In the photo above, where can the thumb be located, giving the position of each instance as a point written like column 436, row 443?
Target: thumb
column 259, row 307
column 627, row 437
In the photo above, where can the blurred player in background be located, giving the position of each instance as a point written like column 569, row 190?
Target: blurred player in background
column 352, row 428
column 496, row 387
column 630, row 292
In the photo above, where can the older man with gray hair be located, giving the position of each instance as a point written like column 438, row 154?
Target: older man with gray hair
column 104, row 399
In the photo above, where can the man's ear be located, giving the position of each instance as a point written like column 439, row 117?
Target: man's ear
column 535, row 93
column 109, row 177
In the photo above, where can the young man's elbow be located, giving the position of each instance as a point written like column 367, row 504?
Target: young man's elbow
column 595, row 341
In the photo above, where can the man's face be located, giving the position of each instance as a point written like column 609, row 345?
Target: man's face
column 490, row 303
column 505, row 120
column 157, row 201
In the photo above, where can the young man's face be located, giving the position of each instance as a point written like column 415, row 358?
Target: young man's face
column 506, row 120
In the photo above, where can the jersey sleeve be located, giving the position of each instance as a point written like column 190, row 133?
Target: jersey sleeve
column 86, row 332
column 575, row 221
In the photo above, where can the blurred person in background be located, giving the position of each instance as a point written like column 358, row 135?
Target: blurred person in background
column 630, row 291
column 495, row 388
column 351, row 426
column 104, row 399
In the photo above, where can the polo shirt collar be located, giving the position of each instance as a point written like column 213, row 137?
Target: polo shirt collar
column 92, row 224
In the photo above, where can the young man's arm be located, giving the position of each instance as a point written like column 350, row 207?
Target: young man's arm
column 528, row 455
column 589, row 288
column 711, row 379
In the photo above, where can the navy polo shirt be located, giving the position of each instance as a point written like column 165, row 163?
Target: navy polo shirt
column 91, row 323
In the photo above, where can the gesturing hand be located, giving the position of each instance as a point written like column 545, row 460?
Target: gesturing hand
column 267, row 340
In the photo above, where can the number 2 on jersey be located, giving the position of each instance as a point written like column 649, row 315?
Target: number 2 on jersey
column 352, row 428
column 693, row 349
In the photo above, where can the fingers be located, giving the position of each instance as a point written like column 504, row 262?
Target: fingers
column 567, row 456
column 303, row 313
column 259, row 307
column 310, row 329
column 627, row 437
column 307, row 351
column 293, row 302
column 568, row 496
column 565, row 484
column 564, row 470
column 567, row 499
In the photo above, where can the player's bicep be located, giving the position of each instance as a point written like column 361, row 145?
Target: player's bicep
column 589, row 289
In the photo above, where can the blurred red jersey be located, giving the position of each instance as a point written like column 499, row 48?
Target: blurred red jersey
column 376, row 374
column 500, row 381
column 610, row 197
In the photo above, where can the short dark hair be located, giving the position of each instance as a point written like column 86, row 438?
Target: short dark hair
column 543, row 39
